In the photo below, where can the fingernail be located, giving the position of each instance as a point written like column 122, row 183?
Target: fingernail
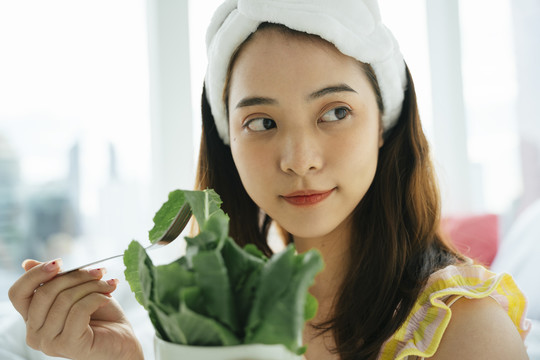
column 98, row 272
column 112, row 282
column 52, row 265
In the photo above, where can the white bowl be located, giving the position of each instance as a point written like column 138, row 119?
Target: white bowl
column 169, row 351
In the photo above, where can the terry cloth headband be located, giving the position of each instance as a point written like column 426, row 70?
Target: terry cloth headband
column 353, row 26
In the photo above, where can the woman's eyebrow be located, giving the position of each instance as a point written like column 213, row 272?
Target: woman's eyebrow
column 329, row 90
column 256, row 100
column 260, row 100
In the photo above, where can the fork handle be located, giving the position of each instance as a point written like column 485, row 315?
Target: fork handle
column 87, row 265
column 149, row 247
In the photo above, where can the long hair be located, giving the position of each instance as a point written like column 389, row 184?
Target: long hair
column 396, row 244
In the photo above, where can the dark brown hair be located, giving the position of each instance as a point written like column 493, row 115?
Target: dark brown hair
column 396, row 244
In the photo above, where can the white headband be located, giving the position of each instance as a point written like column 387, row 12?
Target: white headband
column 353, row 26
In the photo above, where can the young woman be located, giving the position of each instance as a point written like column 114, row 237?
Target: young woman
column 316, row 130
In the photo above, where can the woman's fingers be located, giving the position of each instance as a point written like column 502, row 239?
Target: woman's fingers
column 78, row 319
column 29, row 263
column 93, row 320
column 73, row 340
column 55, row 291
column 52, row 321
column 72, row 315
column 113, row 312
column 67, row 301
column 22, row 291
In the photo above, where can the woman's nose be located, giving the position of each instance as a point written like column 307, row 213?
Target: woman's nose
column 301, row 154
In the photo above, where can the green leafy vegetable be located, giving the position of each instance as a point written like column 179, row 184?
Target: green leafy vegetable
column 139, row 273
column 220, row 294
column 279, row 308
column 215, row 287
column 166, row 216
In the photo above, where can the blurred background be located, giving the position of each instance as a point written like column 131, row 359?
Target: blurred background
column 99, row 114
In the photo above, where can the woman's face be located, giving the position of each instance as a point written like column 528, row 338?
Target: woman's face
column 305, row 131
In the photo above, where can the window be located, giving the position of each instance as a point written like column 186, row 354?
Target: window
column 74, row 130
column 476, row 88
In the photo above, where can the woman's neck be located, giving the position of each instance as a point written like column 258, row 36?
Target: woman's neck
column 334, row 248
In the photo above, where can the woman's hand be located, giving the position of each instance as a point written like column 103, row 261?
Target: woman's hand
column 73, row 315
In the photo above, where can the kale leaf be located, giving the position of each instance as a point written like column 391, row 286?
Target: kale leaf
column 220, row 294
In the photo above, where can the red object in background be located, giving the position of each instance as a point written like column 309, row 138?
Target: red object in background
column 475, row 236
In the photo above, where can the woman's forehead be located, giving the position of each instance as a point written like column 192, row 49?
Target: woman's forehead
column 274, row 59
column 281, row 38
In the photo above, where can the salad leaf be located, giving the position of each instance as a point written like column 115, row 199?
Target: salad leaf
column 311, row 307
column 167, row 280
column 216, row 289
column 220, row 294
column 202, row 330
column 139, row 272
column 188, row 327
column 204, row 204
column 279, row 308
column 167, row 214
column 244, row 270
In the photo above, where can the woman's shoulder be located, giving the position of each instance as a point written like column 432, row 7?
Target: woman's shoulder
column 468, row 334
column 475, row 295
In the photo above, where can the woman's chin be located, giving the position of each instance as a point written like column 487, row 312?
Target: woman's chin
column 309, row 233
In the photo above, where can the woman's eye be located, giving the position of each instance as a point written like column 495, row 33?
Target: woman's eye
column 260, row 124
column 336, row 114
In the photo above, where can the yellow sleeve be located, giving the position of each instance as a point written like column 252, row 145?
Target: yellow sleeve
column 420, row 335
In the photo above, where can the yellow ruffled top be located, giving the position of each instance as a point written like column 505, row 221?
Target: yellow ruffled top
column 420, row 335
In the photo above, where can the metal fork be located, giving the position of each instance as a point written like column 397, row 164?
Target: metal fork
column 175, row 229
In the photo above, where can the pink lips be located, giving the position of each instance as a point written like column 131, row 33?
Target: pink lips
column 307, row 197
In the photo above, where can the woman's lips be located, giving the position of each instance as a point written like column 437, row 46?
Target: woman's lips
column 307, row 197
